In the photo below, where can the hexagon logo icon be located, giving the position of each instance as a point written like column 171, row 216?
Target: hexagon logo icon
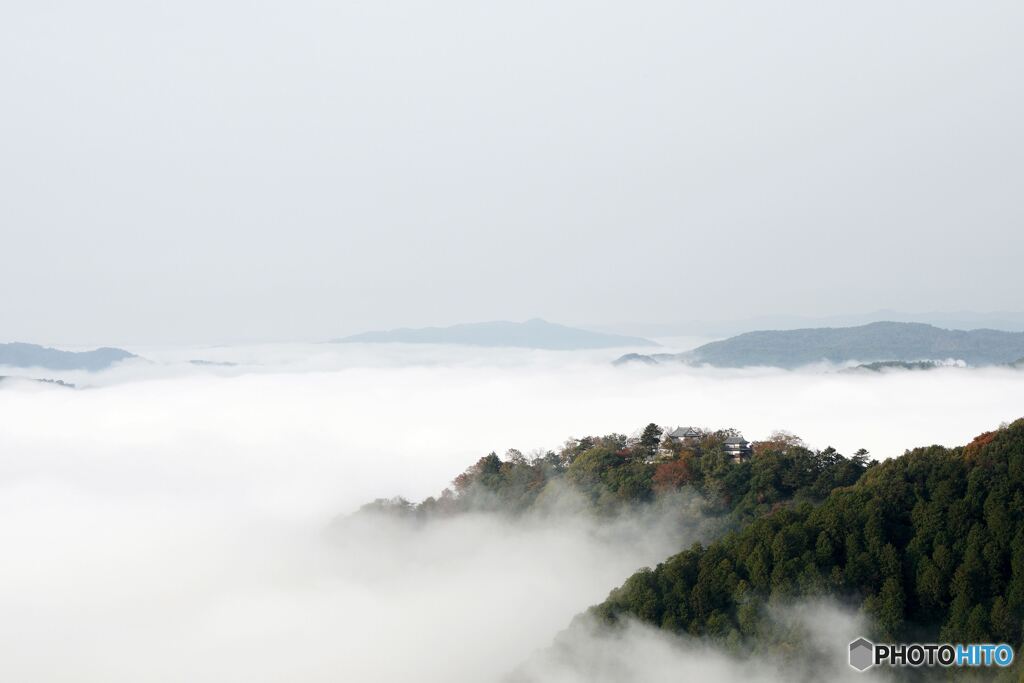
column 862, row 653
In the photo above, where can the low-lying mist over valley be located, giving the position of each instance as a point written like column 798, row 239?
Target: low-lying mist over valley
column 178, row 521
column 556, row 394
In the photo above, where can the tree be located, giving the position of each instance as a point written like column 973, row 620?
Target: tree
column 778, row 441
column 669, row 476
column 649, row 441
column 889, row 613
column 515, row 456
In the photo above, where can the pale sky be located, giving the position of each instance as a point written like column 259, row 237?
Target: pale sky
column 217, row 171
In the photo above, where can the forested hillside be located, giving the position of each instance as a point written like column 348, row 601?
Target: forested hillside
column 930, row 545
column 613, row 473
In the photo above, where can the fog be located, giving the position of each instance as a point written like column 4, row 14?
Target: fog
column 641, row 654
column 172, row 522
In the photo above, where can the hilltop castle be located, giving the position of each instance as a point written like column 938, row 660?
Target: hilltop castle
column 736, row 447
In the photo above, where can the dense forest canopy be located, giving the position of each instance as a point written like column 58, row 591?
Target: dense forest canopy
column 930, row 545
column 614, row 473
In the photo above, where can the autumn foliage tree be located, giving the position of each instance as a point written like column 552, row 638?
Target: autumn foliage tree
column 669, row 476
column 778, row 440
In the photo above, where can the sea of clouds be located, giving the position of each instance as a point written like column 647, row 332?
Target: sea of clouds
column 167, row 521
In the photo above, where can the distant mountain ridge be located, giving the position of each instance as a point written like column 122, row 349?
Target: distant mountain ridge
column 22, row 355
column 1009, row 321
column 532, row 334
column 874, row 342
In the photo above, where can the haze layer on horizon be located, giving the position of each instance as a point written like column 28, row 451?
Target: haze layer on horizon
column 303, row 170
